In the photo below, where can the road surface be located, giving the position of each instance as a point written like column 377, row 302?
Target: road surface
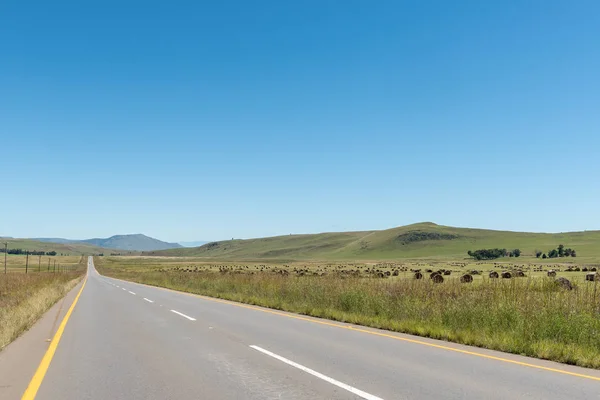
column 131, row 341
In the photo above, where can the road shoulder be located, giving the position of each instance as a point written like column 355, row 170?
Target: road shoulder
column 20, row 359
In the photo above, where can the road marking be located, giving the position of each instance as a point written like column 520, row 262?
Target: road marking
column 183, row 315
column 130, row 292
column 319, row 375
column 314, row 320
column 40, row 373
column 148, row 300
column 123, row 288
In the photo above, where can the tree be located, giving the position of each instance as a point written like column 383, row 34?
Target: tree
column 573, row 254
column 561, row 250
column 538, row 254
column 544, row 256
column 516, row 252
column 487, row 254
column 553, row 253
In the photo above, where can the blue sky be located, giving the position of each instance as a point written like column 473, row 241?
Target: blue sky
column 212, row 120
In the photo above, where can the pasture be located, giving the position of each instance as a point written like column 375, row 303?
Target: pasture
column 18, row 263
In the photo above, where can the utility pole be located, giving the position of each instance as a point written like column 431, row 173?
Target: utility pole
column 5, row 252
column 26, row 262
column 48, row 264
column 39, row 263
column 54, row 271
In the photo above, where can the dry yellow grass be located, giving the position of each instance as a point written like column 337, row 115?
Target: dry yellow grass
column 25, row 297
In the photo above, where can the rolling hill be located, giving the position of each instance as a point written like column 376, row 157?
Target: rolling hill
column 135, row 242
column 424, row 240
column 60, row 248
column 193, row 244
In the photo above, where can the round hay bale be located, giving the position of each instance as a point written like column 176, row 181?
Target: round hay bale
column 494, row 275
column 520, row 274
column 466, row 278
column 593, row 269
column 584, row 269
column 592, row 277
column 433, row 274
column 395, row 273
column 447, row 272
column 418, row 275
column 552, row 274
column 564, row 283
column 506, row 275
column 437, row 278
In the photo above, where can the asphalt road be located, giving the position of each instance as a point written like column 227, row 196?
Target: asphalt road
column 130, row 341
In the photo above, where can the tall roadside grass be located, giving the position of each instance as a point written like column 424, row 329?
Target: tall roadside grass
column 533, row 317
column 26, row 297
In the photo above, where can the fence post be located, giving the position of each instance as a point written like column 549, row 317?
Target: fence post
column 26, row 262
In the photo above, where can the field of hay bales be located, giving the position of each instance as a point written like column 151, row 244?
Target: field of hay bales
column 545, row 310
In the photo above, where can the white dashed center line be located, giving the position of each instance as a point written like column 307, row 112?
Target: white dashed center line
column 339, row 384
column 148, row 300
column 183, row 315
column 130, row 292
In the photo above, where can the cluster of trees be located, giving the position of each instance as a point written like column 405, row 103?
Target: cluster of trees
column 30, row 252
column 558, row 252
column 492, row 254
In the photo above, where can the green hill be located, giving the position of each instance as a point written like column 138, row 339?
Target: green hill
column 60, row 248
column 424, row 240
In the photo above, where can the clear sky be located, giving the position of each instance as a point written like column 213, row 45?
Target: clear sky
column 209, row 120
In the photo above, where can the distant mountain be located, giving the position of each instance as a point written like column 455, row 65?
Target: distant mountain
column 193, row 244
column 136, row 242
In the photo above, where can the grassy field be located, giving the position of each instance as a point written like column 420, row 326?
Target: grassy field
column 17, row 263
column 425, row 240
column 25, row 297
column 61, row 249
column 532, row 315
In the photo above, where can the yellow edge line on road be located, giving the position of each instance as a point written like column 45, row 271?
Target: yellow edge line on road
column 375, row 333
column 40, row 373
